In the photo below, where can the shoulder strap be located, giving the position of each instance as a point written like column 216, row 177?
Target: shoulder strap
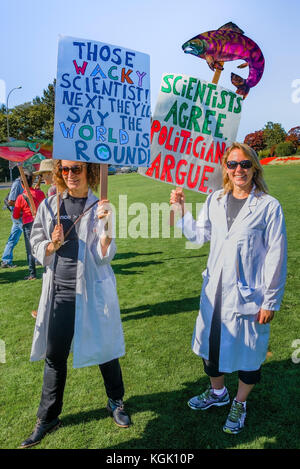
column 26, row 199
column 79, row 218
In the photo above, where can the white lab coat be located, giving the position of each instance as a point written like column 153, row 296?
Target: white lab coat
column 98, row 334
column 252, row 259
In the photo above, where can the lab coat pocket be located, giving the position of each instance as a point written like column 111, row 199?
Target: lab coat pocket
column 245, row 246
column 254, row 337
column 107, row 299
column 249, row 299
column 246, row 292
column 249, row 247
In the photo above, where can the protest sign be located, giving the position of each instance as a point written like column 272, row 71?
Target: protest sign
column 102, row 103
column 193, row 124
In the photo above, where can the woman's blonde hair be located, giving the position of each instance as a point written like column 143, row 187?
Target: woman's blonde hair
column 93, row 175
column 250, row 154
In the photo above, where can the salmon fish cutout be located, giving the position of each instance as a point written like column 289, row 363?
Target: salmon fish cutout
column 225, row 44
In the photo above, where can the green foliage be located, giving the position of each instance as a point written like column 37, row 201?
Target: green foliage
column 273, row 134
column 285, row 149
column 265, row 142
column 264, row 153
column 31, row 120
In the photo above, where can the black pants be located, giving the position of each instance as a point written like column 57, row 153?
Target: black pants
column 248, row 377
column 30, row 259
column 60, row 335
column 211, row 366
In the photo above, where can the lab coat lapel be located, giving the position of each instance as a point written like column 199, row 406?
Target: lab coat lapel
column 223, row 211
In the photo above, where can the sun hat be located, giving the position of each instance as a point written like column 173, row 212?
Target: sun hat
column 45, row 166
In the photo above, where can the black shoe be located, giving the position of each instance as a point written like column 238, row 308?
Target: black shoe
column 40, row 431
column 117, row 412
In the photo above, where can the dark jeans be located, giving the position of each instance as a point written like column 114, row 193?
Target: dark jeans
column 30, row 259
column 60, row 335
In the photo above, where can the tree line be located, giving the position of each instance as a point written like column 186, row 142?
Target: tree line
column 34, row 120
column 31, row 120
column 273, row 140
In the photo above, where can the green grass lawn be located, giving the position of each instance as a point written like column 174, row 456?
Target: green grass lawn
column 159, row 283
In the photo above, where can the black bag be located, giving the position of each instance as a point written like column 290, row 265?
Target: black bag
column 10, row 208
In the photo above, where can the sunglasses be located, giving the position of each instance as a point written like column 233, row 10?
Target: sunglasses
column 245, row 164
column 75, row 170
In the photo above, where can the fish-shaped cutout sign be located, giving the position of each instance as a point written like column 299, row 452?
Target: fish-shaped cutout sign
column 225, row 44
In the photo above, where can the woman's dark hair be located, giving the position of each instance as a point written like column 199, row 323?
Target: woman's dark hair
column 29, row 177
column 93, row 175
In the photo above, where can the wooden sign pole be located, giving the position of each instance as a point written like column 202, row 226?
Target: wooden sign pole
column 57, row 205
column 217, row 74
column 215, row 81
column 25, row 184
column 103, row 182
column 38, row 183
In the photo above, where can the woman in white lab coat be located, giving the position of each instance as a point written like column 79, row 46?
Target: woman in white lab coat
column 243, row 283
column 79, row 304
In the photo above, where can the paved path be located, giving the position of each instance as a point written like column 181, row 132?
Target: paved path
column 5, row 185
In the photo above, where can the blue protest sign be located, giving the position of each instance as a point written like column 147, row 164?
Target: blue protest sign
column 102, row 103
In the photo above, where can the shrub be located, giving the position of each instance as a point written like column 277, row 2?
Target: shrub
column 292, row 139
column 294, row 134
column 264, row 153
column 285, row 149
column 256, row 140
column 273, row 150
column 273, row 134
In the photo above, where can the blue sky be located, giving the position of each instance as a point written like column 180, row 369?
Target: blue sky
column 30, row 29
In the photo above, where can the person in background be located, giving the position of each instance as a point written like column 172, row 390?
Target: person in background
column 243, row 283
column 79, row 302
column 45, row 172
column 16, row 229
column 22, row 209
